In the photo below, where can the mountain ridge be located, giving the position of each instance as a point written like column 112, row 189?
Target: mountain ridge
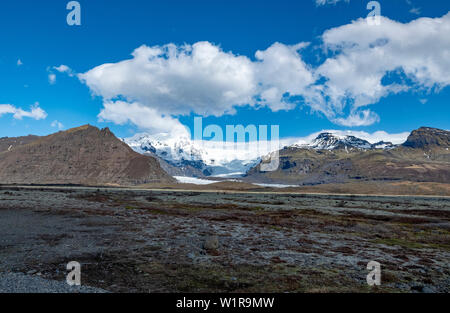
column 82, row 155
column 330, row 141
column 183, row 156
column 88, row 155
column 424, row 157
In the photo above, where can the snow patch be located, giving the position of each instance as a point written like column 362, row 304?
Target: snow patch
column 194, row 180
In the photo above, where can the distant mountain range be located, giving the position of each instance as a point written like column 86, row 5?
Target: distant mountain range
column 424, row 157
column 84, row 155
column 186, row 157
column 88, row 155
column 329, row 141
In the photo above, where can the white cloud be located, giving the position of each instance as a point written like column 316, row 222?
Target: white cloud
column 121, row 112
column 200, row 78
column 178, row 80
column 57, row 124
column 416, row 11
column 6, row 108
column 35, row 112
column 160, row 83
column 413, row 10
column 419, row 50
column 64, row 69
column 281, row 70
column 52, row 78
column 19, row 62
column 359, row 118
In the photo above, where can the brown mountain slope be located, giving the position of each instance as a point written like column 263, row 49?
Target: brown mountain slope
column 83, row 155
column 7, row 143
column 425, row 157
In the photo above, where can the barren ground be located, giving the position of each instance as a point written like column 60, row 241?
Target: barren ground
column 153, row 241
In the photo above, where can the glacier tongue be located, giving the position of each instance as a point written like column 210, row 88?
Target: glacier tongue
column 219, row 158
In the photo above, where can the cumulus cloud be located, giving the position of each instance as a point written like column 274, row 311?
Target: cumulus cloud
column 199, row 78
column 121, row 112
column 280, row 73
column 178, row 80
column 361, row 64
column 419, row 50
column 35, row 112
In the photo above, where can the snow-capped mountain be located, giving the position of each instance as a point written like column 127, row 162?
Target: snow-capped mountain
column 330, row 141
column 210, row 158
column 171, row 150
column 222, row 159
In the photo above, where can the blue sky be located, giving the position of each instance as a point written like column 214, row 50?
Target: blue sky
column 36, row 33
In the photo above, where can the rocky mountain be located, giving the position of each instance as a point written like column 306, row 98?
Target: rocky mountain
column 83, row 155
column 10, row 143
column 426, row 137
column 328, row 141
column 424, row 157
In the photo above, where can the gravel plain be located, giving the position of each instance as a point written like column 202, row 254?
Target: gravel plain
column 21, row 283
column 158, row 241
